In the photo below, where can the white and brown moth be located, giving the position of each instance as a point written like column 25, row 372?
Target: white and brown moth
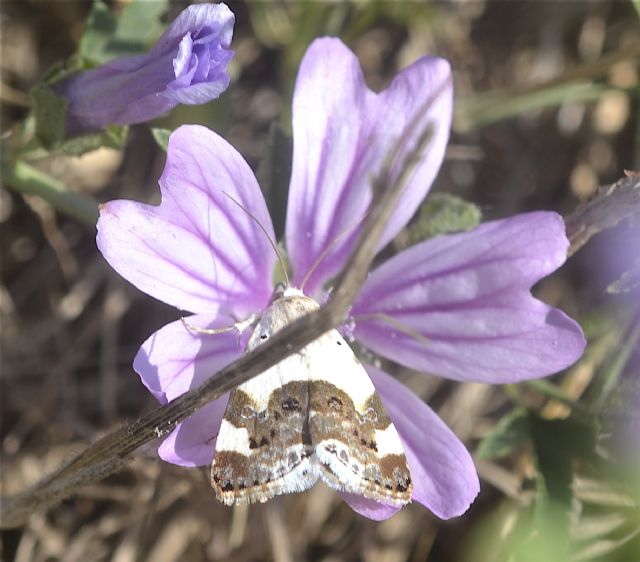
column 315, row 415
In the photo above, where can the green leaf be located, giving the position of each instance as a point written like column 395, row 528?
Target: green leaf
column 50, row 115
column 443, row 213
column 556, row 445
column 113, row 136
column 510, row 432
column 108, row 36
column 140, row 22
column 161, row 136
column 50, row 109
column 100, row 28
column 62, row 70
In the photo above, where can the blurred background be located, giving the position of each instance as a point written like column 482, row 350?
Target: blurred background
column 546, row 111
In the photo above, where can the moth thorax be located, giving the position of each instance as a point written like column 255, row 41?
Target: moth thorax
column 291, row 306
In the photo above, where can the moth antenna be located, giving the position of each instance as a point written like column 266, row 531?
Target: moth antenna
column 401, row 327
column 264, row 231
column 207, row 331
column 326, row 251
column 238, row 326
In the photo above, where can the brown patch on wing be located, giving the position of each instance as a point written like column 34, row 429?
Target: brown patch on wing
column 278, row 438
column 334, row 417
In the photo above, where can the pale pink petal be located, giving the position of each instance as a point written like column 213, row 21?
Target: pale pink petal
column 443, row 474
column 176, row 359
column 198, row 250
column 193, row 441
column 342, row 133
column 464, row 304
column 369, row 508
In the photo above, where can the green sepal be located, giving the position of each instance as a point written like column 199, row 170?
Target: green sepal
column 443, row 213
column 50, row 112
column 161, row 136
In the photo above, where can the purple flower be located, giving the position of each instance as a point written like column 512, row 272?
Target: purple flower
column 187, row 65
column 467, row 294
column 617, row 264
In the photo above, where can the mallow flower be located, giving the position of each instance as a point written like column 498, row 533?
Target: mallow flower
column 617, row 253
column 466, row 295
column 186, row 66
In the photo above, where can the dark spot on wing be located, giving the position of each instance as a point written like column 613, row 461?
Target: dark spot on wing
column 335, row 403
column 290, row 404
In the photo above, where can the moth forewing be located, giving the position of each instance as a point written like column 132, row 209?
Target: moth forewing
column 314, row 415
column 356, row 445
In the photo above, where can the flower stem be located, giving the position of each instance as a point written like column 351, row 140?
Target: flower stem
column 24, row 178
column 551, row 390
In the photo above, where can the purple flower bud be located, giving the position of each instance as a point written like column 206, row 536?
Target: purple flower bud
column 187, row 65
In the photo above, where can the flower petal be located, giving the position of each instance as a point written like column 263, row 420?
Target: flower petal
column 139, row 88
column 342, row 134
column 443, row 474
column 465, row 303
column 176, row 359
column 193, row 442
column 183, row 58
column 208, row 21
column 369, row 508
column 198, row 250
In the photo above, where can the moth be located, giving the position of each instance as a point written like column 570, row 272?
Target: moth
column 313, row 416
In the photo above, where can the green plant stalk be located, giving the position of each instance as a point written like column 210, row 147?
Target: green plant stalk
column 551, row 390
column 23, row 178
column 575, row 84
column 489, row 107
